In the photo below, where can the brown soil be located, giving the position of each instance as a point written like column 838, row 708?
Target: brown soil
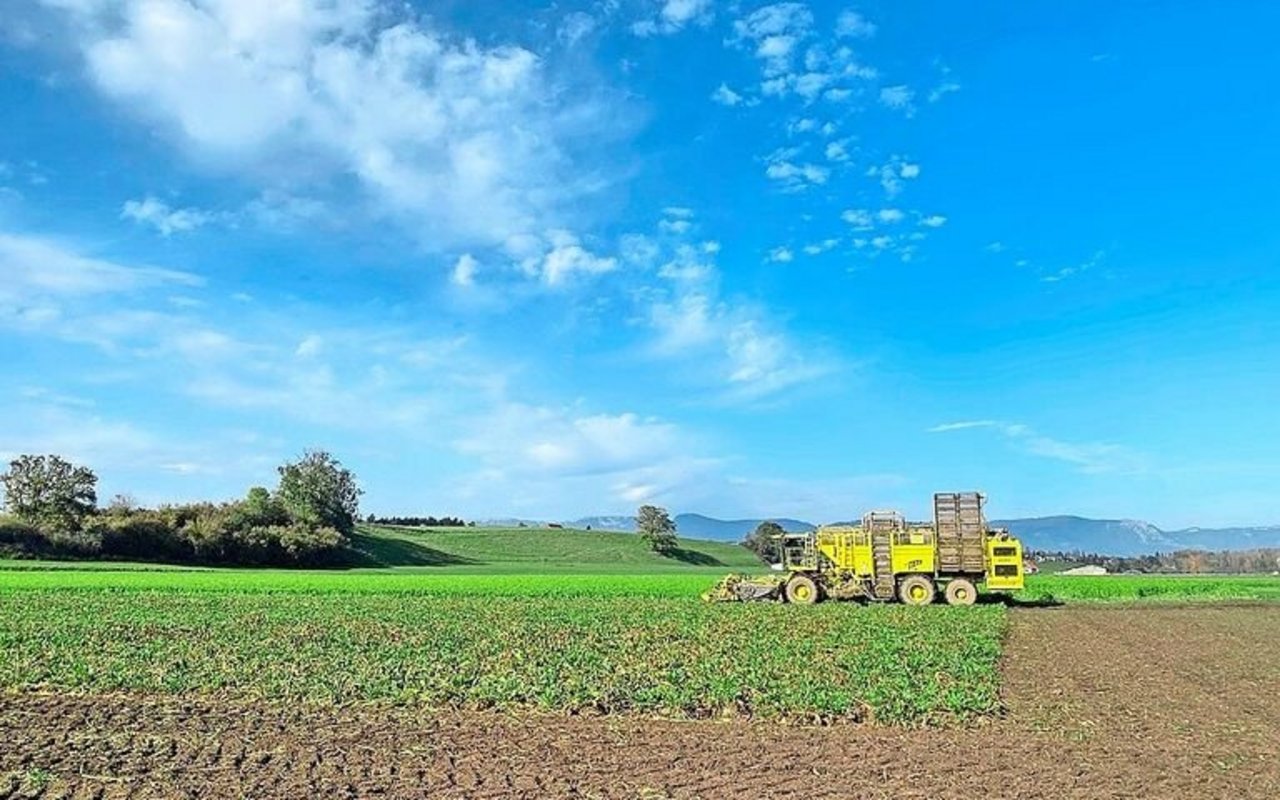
column 1103, row 702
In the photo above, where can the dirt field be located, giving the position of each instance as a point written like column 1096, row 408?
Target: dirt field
column 1102, row 702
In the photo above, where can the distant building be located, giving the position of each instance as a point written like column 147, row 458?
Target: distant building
column 1087, row 569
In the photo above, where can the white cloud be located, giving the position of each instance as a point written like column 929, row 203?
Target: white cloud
column 890, row 216
column 899, row 98
column 464, row 270
column 575, row 26
column 836, row 151
column 726, row 96
column 164, row 219
column 781, row 255
column 774, row 32
column 934, row 221
column 819, row 248
column 35, row 267
column 792, row 175
column 676, row 220
column 893, row 174
column 942, row 90
column 564, row 259
column 851, row 23
column 743, row 352
column 463, row 143
column 995, row 247
column 309, row 347
column 674, row 16
column 689, row 265
column 859, row 218
column 1075, row 269
column 1088, row 457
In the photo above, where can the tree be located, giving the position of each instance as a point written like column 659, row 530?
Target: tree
column 318, row 491
column 762, row 541
column 50, row 491
column 656, row 528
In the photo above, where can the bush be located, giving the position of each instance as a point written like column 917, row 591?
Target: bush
column 19, row 538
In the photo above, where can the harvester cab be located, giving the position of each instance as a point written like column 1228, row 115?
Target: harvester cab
column 884, row 557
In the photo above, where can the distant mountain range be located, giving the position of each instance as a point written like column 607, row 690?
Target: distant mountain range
column 1130, row 537
column 1119, row 537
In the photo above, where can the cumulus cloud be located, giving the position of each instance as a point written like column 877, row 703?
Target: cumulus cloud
column 773, row 33
column 852, row 24
column 794, row 176
column 890, row 215
column 859, row 218
column 942, row 90
column 933, row 221
column 726, row 96
column 673, row 16
column 463, row 143
column 564, row 258
column 818, row 248
column 464, row 270
column 165, row 220
column 741, row 347
column 781, row 255
column 893, row 174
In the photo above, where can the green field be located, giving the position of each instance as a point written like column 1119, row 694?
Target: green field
column 535, row 550
column 1150, row 588
column 563, row 620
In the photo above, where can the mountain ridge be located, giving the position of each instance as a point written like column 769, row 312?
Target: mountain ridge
column 1059, row 532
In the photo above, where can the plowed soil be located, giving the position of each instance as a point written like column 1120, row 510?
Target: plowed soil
column 1102, row 702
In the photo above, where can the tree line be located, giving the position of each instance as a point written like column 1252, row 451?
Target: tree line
column 305, row 520
column 1235, row 562
column 418, row 522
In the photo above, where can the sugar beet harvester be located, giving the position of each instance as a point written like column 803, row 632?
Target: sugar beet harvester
column 886, row 558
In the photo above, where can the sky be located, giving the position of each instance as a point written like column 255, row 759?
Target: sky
column 554, row 259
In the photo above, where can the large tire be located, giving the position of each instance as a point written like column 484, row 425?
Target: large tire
column 802, row 590
column 961, row 592
column 916, row 590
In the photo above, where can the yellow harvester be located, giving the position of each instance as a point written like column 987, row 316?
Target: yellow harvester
column 887, row 558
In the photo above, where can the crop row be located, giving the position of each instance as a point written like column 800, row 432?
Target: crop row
column 455, row 584
column 604, row 654
column 1125, row 588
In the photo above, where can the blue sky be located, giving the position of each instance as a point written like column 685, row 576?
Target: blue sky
column 741, row 258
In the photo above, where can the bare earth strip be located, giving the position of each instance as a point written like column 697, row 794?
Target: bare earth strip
column 1148, row 702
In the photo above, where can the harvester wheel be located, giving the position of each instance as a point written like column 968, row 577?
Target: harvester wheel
column 802, row 590
column 916, row 590
column 961, row 592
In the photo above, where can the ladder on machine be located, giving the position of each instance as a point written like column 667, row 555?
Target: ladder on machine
column 882, row 526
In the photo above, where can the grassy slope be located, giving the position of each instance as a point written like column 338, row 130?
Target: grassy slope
column 527, row 550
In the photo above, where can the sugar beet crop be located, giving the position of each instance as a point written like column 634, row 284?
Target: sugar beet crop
column 602, row 654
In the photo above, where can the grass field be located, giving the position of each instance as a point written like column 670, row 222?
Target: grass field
column 540, row 550
column 571, row 621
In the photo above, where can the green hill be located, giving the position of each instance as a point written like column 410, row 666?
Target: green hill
column 534, row 550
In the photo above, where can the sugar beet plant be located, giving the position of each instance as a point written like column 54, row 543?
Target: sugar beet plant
column 665, row 656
